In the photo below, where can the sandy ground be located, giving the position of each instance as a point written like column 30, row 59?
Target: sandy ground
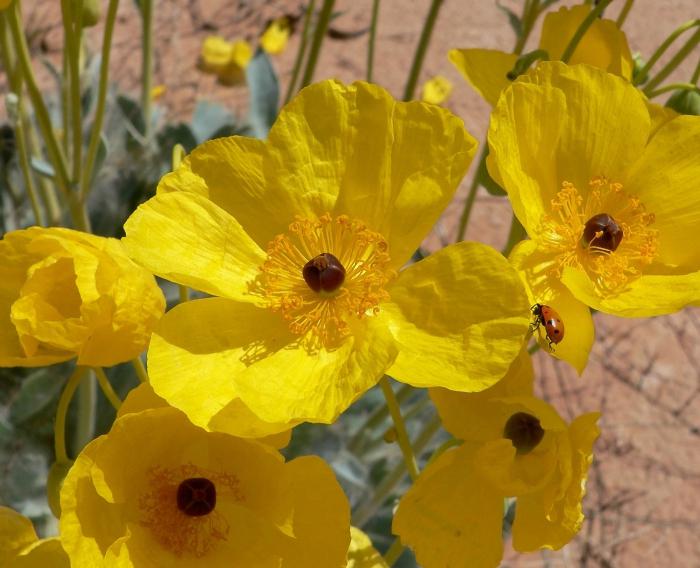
column 643, row 374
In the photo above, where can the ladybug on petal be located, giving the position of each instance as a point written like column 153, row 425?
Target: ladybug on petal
column 549, row 318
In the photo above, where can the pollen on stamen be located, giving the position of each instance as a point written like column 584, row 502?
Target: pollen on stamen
column 326, row 313
column 607, row 234
column 175, row 530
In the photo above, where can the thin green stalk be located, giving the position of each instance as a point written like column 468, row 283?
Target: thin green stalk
column 65, row 104
column 643, row 72
column 624, row 12
column 59, row 428
column 583, row 28
column 107, row 389
column 24, row 163
column 528, row 19
column 140, row 369
column 696, row 74
column 101, row 101
column 87, row 411
column 319, row 34
column 376, row 418
column 516, row 234
column 394, row 553
column 72, row 39
column 419, row 56
column 147, row 64
column 42, row 114
column 301, row 52
column 401, row 433
column 676, row 60
column 372, row 38
column 674, row 87
column 471, row 195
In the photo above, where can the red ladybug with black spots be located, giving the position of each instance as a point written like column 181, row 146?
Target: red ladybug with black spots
column 549, row 318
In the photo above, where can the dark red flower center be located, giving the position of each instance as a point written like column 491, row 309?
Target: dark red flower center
column 196, row 496
column 602, row 232
column 525, row 431
column 324, row 273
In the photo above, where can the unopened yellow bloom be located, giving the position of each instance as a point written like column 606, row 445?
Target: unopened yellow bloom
column 361, row 553
column 436, row 90
column 514, row 445
column 227, row 60
column 609, row 197
column 69, row 294
column 304, row 238
column 21, row 548
column 274, row 39
column 604, row 46
column 158, row 491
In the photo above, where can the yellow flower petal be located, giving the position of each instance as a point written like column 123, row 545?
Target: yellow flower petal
column 461, row 413
column 550, row 520
column 659, row 115
column 362, row 553
column 45, row 553
column 204, row 347
column 16, row 532
column 604, row 45
column 459, row 316
column 449, row 517
column 274, row 39
column 215, row 55
column 485, row 70
column 233, row 71
column 562, row 123
column 436, row 90
column 579, row 332
column 188, row 239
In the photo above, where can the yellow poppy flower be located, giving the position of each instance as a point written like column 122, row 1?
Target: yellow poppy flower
column 65, row 294
column 227, row 60
column 514, row 445
column 21, row 548
column 604, row 45
column 306, row 253
column 274, row 39
column 612, row 210
column 4, row 4
column 158, row 491
column 436, row 90
column 361, row 553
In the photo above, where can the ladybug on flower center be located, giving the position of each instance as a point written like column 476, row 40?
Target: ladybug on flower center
column 552, row 322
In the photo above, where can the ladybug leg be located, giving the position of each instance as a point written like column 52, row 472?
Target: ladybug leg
column 550, row 345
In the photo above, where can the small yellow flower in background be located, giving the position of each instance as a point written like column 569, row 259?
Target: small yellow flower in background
column 604, row 45
column 158, row 91
column 227, row 60
column 514, row 445
column 304, row 238
column 362, row 553
column 69, row 294
column 158, row 491
column 274, row 39
column 609, row 197
column 21, row 548
column 436, row 90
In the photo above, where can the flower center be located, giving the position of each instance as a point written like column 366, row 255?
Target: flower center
column 525, row 431
column 607, row 235
column 179, row 508
column 324, row 273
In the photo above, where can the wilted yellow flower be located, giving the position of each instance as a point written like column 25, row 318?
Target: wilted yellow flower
column 361, row 553
column 227, row 60
column 514, row 446
column 436, row 90
column 610, row 198
column 306, row 254
column 274, row 39
column 604, row 45
column 21, row 548
column 69, row 294
column 159, row 491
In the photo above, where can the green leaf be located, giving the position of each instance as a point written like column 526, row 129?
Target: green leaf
column 173, row 134
column 264, row 94
column 37, row 392
column 513, row 18
column 42, row 167
column 210, row 118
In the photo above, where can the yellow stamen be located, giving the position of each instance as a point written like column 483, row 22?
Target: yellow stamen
column 610, row 271
column 181, row 534
column 326, row 316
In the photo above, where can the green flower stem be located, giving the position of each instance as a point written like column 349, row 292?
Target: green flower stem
column 319, row 34
column 676, row 60
column 147, row 64
column 367, row 510
column 101, row 101
column 623, row 13
column 419, row 56
column 533, row 348
column 400, row 425
column 107, row 389
column 583, row 28
column 72, row 38
column 372, row 38
column 301, row 51
column 140, row 369
column 42, row 114
column 87, row 411
column 515, row 235
column 471, row 195
column 641, row 75
column 59, row 428
column 696, row 74
column 184, row 293
column 394, row 553
column 674, row 87
column 531, row 10
column 376, row 418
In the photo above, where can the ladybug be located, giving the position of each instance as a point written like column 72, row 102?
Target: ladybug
column 549, row 318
